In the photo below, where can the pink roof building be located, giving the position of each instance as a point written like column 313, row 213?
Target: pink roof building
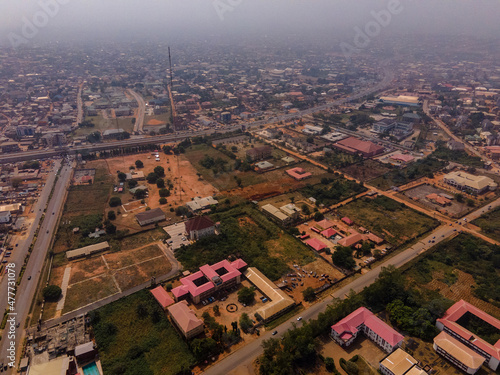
column 363, row 320
column 316, row 244
column 298, row 173
column 162, row 297
column 402, row 158
column 448, row 323
column 209, row 279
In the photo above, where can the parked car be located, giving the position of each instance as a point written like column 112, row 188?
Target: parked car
column 275, row 333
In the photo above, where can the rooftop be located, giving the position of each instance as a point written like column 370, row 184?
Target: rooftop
column 184, row 316
column 459, row 351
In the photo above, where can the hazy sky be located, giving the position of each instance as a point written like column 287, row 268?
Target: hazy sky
column 105, row 19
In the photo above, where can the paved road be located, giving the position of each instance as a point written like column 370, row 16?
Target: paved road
column 26, row 290
column 141, row 112
column 79, row 102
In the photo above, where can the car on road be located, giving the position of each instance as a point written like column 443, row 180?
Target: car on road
column 29, row 277
column 275, row 333
column 299, row 318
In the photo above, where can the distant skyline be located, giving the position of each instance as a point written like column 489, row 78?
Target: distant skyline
column 87, row 20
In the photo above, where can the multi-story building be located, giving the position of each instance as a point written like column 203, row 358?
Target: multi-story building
column 199, row 227
column 462, row 347
column 470, row 183
column 209, row 280
column 363, row 320
column 259, row 153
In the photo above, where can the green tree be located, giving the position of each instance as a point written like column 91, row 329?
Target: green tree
column 164, row 192
column 111, row 215
column 139, row 164
column 342, row 257
column 245, row 322
column 52, row 292
column 309, row 294
column 204, row 348
column 160, row 171
column 318, row 216
column 330, row 364
column 115, row 201
column 163, row 200
column 216, row 310
column 160, row 183
column 122, row 176
column 132, row 184
column 246, row 295
column 152, row 178
column 305, row 209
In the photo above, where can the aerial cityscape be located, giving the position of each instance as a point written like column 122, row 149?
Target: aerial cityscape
column 233, row 187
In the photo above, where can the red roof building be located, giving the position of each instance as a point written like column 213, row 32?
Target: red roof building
column 363, row 320
column 352, row 240
column 329, row 233
column 448, row 323
column 353, row 145
column 316, row 244
column 347, row 221
column 298, row 173
column 162, row 297
column 325, row 224
column 199, row 227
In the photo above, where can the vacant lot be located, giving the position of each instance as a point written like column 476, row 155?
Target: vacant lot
column 490, row 224
column 84, row 209
column 101, row 124
column 247, row 233
column 103, row 275
column 397, row 177
column 464, row 267
column 135, row 337
column 366, row 170
column 389, row 219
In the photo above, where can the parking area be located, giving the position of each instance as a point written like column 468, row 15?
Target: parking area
column 177, row 234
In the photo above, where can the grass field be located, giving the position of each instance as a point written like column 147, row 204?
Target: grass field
column 88, row 291
column 134, row 337
column 490, row 223
column 247, row 233
column 102, row 124
column 389, row 219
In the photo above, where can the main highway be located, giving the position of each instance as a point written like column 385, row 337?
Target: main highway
column 141, row 111
column 26, row 290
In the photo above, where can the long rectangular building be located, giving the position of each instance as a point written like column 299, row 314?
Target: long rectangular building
column 87, row 250
column 279, row 303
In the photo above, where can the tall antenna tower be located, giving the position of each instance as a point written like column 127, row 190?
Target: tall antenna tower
column 170, row 88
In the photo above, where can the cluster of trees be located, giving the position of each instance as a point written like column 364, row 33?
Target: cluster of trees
column 32, row 164
column 444, row 153
column 86, row 124
column 115, row 202
column 421, row 168
column 332, row 191
column 217, row 165
column 342, row 257
column 339, row 159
